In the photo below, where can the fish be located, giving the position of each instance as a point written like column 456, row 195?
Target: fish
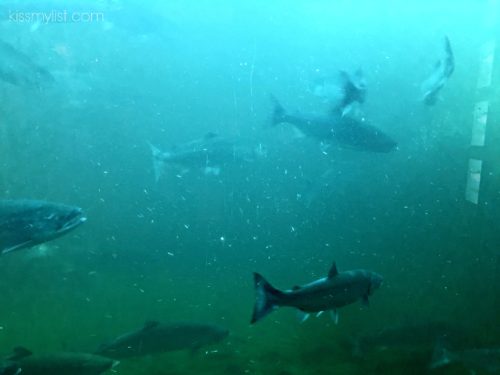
column 210, row 154
column 325, row 294
column 334, row 127
column 339, row 124
column 408, row 336
column 443, row 70
column 17, row 68
column 25, row 223
column 485, row 359
column 24, row 362
column 155, row 337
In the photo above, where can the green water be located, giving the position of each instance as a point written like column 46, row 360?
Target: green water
column 185, row 247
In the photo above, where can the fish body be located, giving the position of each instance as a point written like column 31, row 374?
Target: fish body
column 157, row 337
column 26, row 223
column 334, row 127
column 63, row 363
column 325, row 294
column 19, row 69
column 409, row 336
column 443, row 70
column 485, row 359
column 339, row 125
column 209, row 154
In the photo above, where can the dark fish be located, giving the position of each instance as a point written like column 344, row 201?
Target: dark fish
column 335, row 127
column 19, row 69
column 326, row 294
column 64, row 363
column 442, row 72
column 411, row 336
column 25, row 223
column 210, row 154
column 485, row 359
column 156, row 337
column 339, row 125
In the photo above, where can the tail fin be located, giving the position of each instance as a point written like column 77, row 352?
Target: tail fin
column 158, row 161
column 10, row 369
column 278, row 112
column 441, row 356
column 449, row 58
column 266, row 298
column 354, row 90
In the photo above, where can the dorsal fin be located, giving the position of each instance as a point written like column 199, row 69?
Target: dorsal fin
column 19, row 353
column 150, row 324
column 333, row 271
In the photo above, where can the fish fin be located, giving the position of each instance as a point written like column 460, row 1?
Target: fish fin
column 210, row 135
column 450, row 58
column 19, row 352
column 302, row 316
column 19, row 246
column 267, row 298
column 10, row 369
column 334, row 314
column 279, row 112
column 354, row 90
column 333, row 271
column 441, row 357
column 346, row 110
column 365, row 301
column 150, row 324
column 319, row 313
column 158, row 161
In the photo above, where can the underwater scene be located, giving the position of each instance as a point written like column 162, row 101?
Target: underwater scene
column 249, row 187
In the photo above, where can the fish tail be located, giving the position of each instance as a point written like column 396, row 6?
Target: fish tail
column 158, row 161
column 441, row 356
column 10, row 369
column 267, row 298
column 279, row 112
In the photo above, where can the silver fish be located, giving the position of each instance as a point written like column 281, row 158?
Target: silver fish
column 325, row 294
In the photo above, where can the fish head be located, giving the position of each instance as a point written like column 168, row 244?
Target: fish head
column 54, row 220
column 375, row 281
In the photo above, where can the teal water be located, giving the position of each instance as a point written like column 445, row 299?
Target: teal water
column 184, row 248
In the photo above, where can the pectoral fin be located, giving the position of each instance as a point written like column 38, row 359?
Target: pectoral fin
column 335, row 316
column 365, row 301
column 302, row 316
column 18, row 246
